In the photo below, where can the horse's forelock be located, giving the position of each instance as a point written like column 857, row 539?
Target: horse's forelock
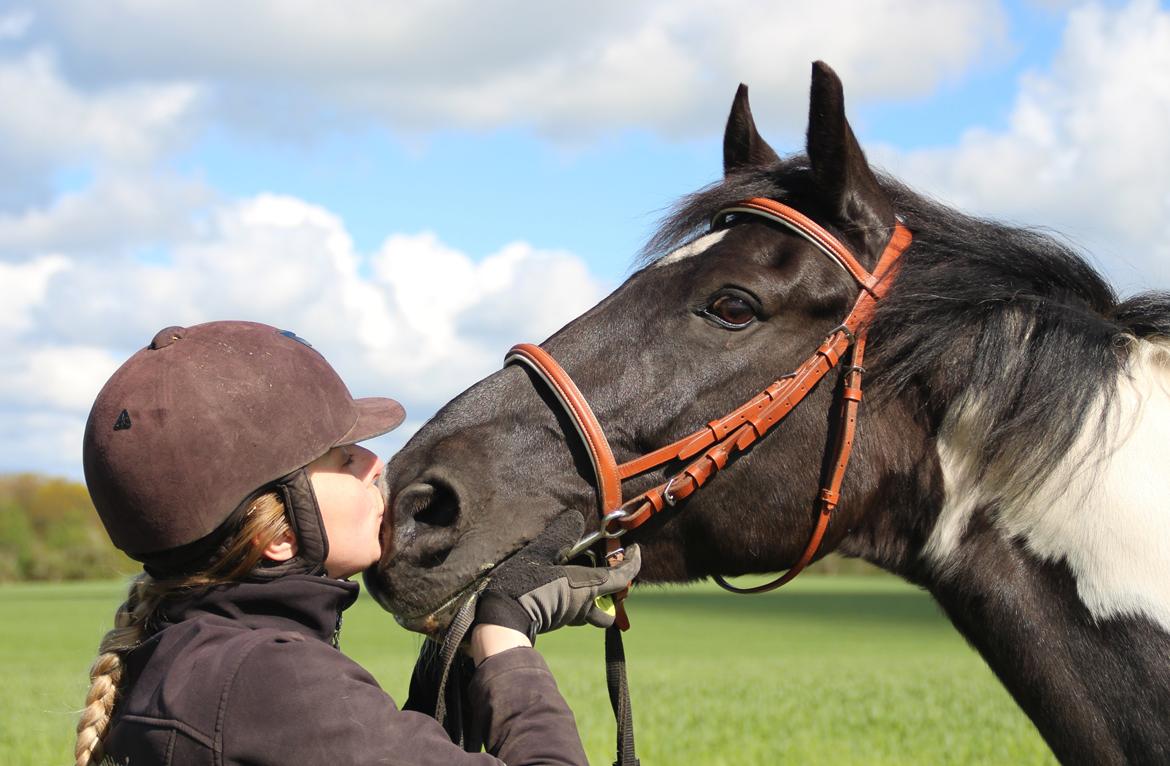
column 691, row 215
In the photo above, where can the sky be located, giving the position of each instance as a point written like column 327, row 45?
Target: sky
column 415, row 187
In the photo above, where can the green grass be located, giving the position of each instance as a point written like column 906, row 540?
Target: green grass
column 830, row 670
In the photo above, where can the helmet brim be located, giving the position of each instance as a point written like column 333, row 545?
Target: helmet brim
column 376, row 416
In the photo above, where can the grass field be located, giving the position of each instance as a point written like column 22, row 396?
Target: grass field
column 831, row 670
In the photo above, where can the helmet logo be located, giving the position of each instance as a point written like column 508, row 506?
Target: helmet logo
column 123, row 422
column 297, row 338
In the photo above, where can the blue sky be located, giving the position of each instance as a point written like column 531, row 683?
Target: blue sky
column 414, row 190
column 626, row 175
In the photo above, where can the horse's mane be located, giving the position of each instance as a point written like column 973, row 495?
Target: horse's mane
column 1005, row 320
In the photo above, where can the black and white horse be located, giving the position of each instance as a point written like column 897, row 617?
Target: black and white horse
column 1008, row 459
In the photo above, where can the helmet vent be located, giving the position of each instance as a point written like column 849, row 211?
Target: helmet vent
column 293, row 336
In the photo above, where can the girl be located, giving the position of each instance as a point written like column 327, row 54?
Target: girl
column 223, row 456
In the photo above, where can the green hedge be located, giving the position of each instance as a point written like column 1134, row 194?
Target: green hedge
column 49, row 530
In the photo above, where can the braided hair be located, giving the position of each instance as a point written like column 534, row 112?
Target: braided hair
column 264, row 522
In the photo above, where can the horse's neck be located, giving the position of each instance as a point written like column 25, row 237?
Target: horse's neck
column 1063, row 588
column 1097, row 690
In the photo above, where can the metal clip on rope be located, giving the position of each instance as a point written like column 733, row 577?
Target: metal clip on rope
column 601, row 533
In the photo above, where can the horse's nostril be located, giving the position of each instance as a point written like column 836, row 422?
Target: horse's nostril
column 428, row 504
column 442, row 510
column 425, row 518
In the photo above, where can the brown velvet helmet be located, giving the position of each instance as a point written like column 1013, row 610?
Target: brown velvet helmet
column 194, row 426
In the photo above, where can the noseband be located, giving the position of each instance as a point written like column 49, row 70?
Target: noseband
column 709, row 448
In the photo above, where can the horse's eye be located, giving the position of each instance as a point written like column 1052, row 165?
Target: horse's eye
column 731, row 311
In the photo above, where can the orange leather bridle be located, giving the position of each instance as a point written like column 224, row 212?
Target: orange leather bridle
column 707, row 450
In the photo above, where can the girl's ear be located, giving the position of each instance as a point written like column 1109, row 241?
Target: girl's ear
column 282, row 548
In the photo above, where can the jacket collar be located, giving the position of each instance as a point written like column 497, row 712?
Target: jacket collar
column 302, row 603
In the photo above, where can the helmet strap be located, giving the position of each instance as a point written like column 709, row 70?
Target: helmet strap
column 304, row 517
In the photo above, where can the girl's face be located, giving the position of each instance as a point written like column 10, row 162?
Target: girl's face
column 345, row 480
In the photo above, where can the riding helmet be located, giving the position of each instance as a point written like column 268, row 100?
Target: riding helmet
column 194, row 426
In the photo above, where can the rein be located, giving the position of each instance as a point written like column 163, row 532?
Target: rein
column 709, row 448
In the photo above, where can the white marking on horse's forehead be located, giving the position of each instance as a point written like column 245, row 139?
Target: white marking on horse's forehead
column 700, row 245
column 1101, row 511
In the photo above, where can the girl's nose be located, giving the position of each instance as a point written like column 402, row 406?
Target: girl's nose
column 371, row 464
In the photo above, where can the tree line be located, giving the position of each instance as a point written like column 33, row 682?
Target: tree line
column 49, row 530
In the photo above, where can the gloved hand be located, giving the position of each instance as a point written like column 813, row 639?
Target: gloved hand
column 532, row 593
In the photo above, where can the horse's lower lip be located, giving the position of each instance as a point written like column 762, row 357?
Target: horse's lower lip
column 434, row 620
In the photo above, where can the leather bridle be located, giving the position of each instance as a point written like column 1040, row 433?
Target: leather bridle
column 707, row 450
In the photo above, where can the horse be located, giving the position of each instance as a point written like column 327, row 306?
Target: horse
column 1007, row 458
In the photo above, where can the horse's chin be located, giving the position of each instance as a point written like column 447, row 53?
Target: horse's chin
column 408, row 593
column 433, row 622
column 423, row 579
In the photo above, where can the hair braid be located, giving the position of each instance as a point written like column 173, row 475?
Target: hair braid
column 263, row 522
column 105, row 675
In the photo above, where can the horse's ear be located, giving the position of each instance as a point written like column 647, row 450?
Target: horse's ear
column 846, row 184
column 742, row 145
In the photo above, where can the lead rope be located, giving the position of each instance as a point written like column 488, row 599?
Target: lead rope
column 460, row 624
column 615, row 680
column 619, row 696
column 615, row 667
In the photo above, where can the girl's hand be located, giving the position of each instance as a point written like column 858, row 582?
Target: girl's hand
column 532, row 592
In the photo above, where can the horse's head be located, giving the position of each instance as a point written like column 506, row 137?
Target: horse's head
column 686, row 339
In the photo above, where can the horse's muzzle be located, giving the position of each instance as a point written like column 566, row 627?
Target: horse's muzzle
column 423, row 574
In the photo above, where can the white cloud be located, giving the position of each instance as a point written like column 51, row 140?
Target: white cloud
column 63, row 379
column 1086, row 150
column 56, row 119
column 41, row 440
column 22, row 288
column 116, row 88
column 115, row 212
column 568, row 70
column 15, row 24
column 459, row 316
column 49, row 124
column 418, row 320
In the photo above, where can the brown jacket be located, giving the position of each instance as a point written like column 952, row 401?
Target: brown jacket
column 248, row 674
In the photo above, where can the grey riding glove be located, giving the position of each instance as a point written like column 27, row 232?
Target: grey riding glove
column 532, row 593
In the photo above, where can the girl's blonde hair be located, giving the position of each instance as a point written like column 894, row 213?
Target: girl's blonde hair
column 264, row 522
